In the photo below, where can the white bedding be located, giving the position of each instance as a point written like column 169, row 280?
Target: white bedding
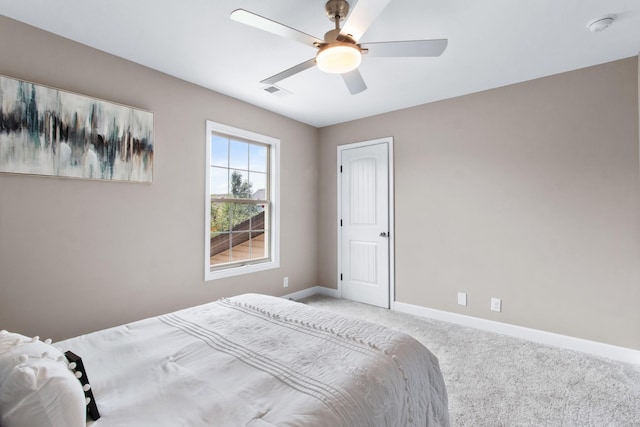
column 260, row 361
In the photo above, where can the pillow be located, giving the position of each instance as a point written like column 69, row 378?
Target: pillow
column 36, row 386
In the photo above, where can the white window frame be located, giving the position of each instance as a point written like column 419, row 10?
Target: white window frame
column 274, row 196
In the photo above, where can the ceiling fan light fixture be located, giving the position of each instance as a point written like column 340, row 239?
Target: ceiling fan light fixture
column 339, row 58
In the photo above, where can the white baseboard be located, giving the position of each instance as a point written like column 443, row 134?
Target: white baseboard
column 549, row 338
column 305, row 293
column 327, row 291
column 608, row 351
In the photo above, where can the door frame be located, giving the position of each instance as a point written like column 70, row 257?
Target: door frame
column 392, row 232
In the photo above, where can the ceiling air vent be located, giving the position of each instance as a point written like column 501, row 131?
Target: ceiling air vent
column 277, row 91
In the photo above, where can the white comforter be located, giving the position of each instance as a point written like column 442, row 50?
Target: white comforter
column 260, row 361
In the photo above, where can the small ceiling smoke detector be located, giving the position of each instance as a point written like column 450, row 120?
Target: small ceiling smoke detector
column 600, row 24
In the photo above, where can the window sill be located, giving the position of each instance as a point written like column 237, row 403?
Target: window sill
column 240, row 270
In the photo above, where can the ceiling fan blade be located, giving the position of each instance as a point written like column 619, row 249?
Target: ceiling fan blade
column 290, row 72
column 361, row 17
column 354, row 81
column 273, row 27
column 407, row 48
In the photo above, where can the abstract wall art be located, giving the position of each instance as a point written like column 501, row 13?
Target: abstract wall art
column 47, row 131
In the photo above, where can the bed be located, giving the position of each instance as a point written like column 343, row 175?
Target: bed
column 250, row 360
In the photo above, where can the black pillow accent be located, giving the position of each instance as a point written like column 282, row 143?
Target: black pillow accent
column 92, row 407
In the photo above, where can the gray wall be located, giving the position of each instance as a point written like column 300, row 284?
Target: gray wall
column 529, row 193
column 78, row 255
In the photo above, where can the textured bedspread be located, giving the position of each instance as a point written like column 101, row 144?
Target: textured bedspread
column 260, row 361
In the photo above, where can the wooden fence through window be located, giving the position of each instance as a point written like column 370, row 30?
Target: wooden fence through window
column 250, row 228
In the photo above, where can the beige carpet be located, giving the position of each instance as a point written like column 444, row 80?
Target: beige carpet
column 496, row 380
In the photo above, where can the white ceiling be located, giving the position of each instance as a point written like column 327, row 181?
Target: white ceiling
column 492, row 43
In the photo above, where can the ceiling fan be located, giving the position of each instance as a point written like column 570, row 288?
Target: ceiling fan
column 340, row 52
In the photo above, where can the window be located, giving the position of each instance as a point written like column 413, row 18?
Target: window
column 242, row 220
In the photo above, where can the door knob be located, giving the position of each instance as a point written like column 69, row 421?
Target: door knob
column 383, row 234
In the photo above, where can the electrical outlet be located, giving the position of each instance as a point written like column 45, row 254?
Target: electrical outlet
column 285, row 282
column 462, row 298
column 496, row 304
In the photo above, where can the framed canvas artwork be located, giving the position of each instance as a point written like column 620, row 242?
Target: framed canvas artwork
column 47, row 131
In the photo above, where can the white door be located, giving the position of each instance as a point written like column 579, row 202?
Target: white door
column 364, row 219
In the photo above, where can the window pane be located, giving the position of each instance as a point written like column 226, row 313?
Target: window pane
column 240, row 186
column 259, row 230
column 258, row 219
column 221, row 217
column 223, row 258
column 258, row 249
column 220, row 249
column 219, row 182
column 258, row 158
column 258, row 184
column 240, row 247
column 238, row 155
column 219, row 151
